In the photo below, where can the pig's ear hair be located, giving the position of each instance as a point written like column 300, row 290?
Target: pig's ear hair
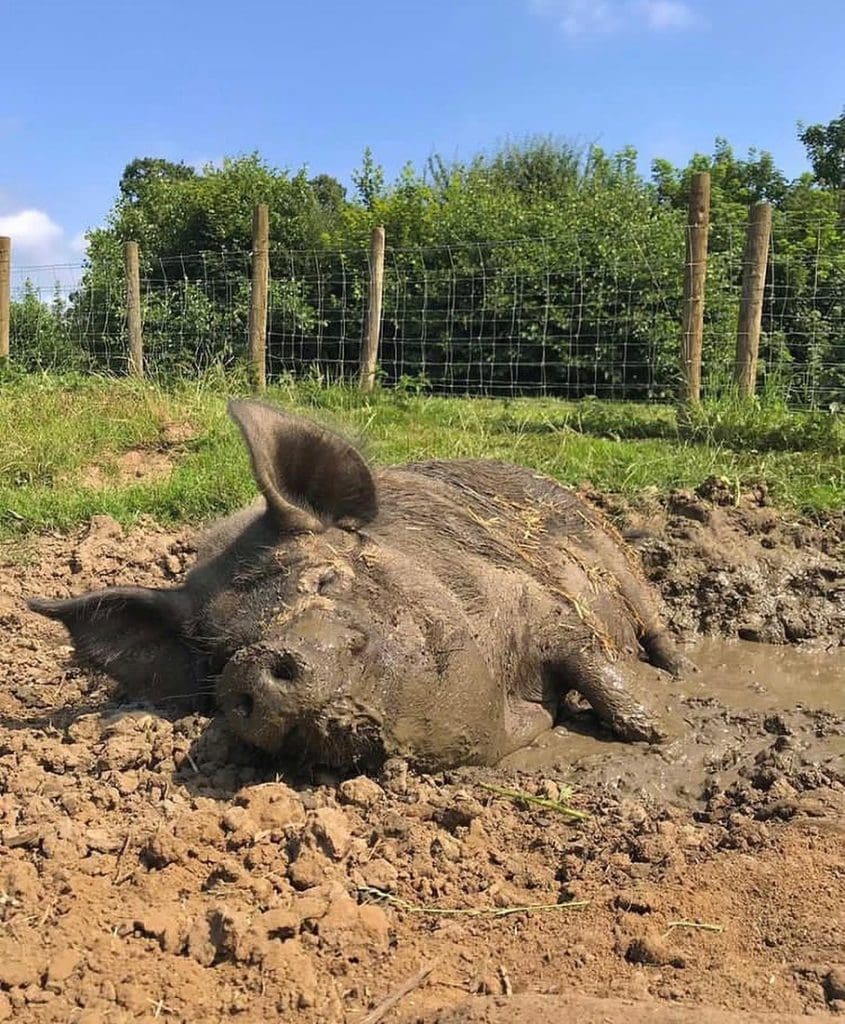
column 309, row 475
column 134, row 634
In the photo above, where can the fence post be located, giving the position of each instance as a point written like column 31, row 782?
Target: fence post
column 695, row 273
column 133, row 309
column 369, row 350
column 258, row 297
column 755, row 262
column 5, row 295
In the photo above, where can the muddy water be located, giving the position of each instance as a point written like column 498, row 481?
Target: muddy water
column 743, row 698
column 764, row 676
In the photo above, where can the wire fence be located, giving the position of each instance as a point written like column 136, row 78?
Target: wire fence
column 593, row 316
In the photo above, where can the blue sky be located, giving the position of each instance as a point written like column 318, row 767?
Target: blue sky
column 92, row 85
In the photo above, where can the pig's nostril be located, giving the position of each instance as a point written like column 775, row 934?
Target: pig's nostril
column 245, row 705
column 283, row 668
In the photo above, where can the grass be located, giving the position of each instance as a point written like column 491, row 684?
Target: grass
column 55, row 427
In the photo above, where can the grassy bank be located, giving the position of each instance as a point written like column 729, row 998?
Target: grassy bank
column 63, row 441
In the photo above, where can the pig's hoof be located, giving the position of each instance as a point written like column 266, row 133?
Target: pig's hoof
column 662, row 653
column 640, row 728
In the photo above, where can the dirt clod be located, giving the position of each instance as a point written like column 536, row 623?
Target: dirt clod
column 834, row 984
column 361, row 791
column 654, row 951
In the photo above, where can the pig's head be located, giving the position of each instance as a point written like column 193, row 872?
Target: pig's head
column 278, row 621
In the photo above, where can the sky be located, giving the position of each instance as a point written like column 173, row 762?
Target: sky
column 89, row 86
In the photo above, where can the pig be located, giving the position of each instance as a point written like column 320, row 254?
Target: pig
column 440, row 611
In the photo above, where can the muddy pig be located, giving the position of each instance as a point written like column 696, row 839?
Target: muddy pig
column 438, row 610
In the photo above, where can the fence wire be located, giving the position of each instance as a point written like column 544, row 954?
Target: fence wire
column 523, row 317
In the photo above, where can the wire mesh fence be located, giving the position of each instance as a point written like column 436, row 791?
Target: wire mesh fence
column 593, row 316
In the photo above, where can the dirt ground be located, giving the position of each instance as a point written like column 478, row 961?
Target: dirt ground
column 151, row 869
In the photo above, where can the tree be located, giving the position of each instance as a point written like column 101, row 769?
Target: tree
column 329, row 193
column 537, row 265
column 138, row 175
column 369, row 180
column 825, row 145
column 735, row 182
column 540, row 166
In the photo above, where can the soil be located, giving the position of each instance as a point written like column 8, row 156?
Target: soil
column 137, row 465
column 130, row 467
column 152, row 869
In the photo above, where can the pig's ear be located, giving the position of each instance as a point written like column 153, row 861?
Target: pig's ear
column 309, row 476
column 132, row 633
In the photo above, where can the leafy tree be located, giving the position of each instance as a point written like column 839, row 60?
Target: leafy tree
column 329, row 193
column 825, row 145
column 369, row 180
column 41, row 332
column 138, row 174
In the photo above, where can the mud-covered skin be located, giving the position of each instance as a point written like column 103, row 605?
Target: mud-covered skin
column 438, row 610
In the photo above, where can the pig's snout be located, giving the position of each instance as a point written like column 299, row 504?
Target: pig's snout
column 260, row 695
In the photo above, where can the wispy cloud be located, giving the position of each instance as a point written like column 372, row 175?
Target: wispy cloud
column 667, row 15
column 590, row 17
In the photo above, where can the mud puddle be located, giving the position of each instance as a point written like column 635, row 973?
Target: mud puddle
column 745, row 697
column 766, row 676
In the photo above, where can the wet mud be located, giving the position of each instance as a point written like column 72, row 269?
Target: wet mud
column 153, row 869
column 721, row 720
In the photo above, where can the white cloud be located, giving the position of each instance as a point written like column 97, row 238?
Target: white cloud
column 667, row 15
column 32, row 233
column 588, row 17
column 580, row 16
column 37, row 240
column 42, row 252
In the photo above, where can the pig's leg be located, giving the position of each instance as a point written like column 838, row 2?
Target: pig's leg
column 658, row 646
column 607, row 687
column 662, row 652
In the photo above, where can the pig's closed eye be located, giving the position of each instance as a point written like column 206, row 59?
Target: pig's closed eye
column 207, row 666
column 210, row 661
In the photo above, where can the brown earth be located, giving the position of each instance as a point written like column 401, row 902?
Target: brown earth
column 152, row 869
column 149, row 462
column 130, row 467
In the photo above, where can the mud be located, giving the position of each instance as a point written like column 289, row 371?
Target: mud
column 722, row 720
column 731, row 565
column 152, row 869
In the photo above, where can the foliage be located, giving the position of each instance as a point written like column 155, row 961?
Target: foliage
column 537, row 267
column 43, row 332
column 825, row 145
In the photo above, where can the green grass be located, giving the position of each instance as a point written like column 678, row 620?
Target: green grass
column 56, row 428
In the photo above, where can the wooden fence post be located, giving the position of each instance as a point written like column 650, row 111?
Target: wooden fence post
column 755, row 262
column 369, row 350
column 258, row 297
column 5, row 295
column 133, row 309
column 695, row 273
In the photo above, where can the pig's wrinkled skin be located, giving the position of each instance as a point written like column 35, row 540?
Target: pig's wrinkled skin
column 439, row 611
